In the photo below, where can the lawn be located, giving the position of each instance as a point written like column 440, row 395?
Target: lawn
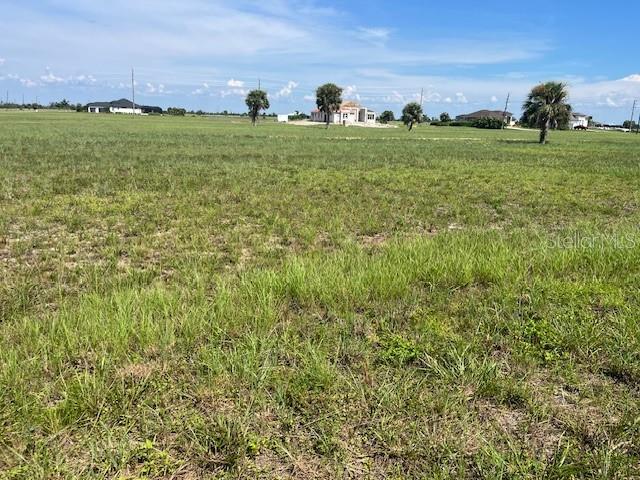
column 195, row 298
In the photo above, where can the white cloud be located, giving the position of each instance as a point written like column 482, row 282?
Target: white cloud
column 376, row 36
column 152, row 89
column 448, row 100
column 632, row 78
column 235, row 83
column 310, row 98
column 287, row 90
column 2, row 61
column 84, row 80
column 460, row 98
column 350, row 92
column 395, row 97
column 494, row 99
column 50, row 78
column 238, row 92
column 28, row 83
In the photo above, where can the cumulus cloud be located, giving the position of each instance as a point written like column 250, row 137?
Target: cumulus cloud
column 27, row 82
column 310, row 98
column 2, row 61
column 235, row 83
column 494, row 99
column 84, row 80
column 152, row 89
column 460, row 98
column 287, row 90
column 395, row 97
column 50, row 78
column 351, row 92
column 238, row 92
column 632, row 78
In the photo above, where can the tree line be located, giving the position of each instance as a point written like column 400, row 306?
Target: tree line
column 546, row 108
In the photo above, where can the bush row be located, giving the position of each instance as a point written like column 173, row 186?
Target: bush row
column 487, row 122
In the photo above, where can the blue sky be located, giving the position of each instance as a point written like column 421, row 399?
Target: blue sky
column 206, row 54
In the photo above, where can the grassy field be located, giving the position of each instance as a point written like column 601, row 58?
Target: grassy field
column 193, row 298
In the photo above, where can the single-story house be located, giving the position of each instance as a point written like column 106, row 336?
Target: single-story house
column 508, row 117
column 123, row 106
column 579, row 121
column 349, row 113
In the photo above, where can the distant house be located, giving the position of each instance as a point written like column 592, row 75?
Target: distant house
column 123, row 106
column 349, row 113
column 508, row 117
column 579, row 121
column 283, row 118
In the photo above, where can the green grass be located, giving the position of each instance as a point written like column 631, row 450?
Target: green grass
column 196, row 298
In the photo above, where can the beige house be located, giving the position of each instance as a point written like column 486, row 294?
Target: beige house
column 350, row 113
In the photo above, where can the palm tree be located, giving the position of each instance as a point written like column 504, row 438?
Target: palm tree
column 546, row 107
column 328, row 100
column 256, row 100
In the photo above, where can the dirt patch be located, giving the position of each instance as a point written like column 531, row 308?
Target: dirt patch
column 372, row 241
column 139, row 371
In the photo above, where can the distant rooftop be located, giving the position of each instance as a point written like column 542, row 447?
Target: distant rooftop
column 123, row 103
column 486, row 114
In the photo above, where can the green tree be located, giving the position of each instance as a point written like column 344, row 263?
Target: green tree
column 444, row 117
column 387, row 116
column 412, row 114
column 546, row 107
column 256, row 100
column 328, row 99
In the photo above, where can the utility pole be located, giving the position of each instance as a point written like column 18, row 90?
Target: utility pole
column 633, row 114
column 133, row 91
column 506, row 107
column 421, row 96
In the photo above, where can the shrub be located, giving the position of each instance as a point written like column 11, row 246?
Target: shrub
column 181, row 112
column 488, row 122
column 387, row 116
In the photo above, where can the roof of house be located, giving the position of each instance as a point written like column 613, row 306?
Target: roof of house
column 350, row 105
column 576, row 114
column 122, row 103
column 487, row 114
